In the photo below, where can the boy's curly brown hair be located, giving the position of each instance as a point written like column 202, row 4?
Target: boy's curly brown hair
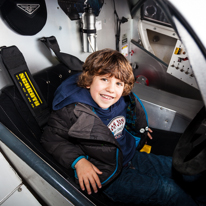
column 107, row 62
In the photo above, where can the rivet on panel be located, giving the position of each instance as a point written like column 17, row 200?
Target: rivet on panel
column 20, row 189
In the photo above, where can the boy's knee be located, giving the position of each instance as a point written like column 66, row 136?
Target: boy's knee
column 170, row 193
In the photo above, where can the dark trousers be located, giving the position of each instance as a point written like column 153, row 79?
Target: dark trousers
column 149, row 179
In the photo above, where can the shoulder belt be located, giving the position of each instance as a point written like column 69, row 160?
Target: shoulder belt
column 15, row 64
column 70, row 61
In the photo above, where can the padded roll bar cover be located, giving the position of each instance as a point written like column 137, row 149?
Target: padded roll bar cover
column 23, row 17
column 190, row 152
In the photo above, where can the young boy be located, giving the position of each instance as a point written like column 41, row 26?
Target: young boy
column 97, row 128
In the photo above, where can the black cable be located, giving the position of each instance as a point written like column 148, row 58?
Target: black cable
column 117, row 36
column 119, row 21
column 115, row 10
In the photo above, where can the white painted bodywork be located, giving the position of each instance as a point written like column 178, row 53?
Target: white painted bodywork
column 13, row 191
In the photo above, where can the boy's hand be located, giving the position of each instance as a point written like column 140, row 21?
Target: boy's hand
column 148, row 133
column 87, row 174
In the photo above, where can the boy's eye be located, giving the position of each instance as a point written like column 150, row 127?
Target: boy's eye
column 104, row 79
column 119, row 83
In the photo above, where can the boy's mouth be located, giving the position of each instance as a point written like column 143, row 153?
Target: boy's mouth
column 106, row 96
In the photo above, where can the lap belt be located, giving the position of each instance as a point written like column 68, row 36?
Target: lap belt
column 22, row 78
column 72, row 62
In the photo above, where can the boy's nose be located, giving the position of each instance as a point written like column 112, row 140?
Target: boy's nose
column 110, row 87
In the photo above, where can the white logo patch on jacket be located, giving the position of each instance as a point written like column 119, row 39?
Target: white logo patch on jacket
column 116, row 126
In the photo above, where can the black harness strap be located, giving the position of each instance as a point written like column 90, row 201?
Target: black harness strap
column 72, row 62
column 22, row 78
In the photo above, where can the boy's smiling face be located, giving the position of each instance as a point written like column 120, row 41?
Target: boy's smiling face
column 106, row 90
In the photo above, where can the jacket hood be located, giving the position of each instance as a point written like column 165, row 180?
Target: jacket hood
column 68, row 92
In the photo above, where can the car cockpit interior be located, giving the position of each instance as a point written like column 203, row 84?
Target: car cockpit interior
column 44, row 42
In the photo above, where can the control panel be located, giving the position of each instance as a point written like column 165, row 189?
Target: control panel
column 180, row 67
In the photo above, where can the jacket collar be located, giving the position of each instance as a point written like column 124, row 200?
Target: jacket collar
column 89, row 126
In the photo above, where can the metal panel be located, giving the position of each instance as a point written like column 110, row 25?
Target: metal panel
column 22, row 197
column 39, row 185
column 176, row 111
column 67, row 33
column 156, row 72
column 185, row 106
column 159, row 117
column 36, row 54
column 179, row 65
column 9, row 180
column 166, row 36
column 196, row 56
column 153, row 69
column 12, row 190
